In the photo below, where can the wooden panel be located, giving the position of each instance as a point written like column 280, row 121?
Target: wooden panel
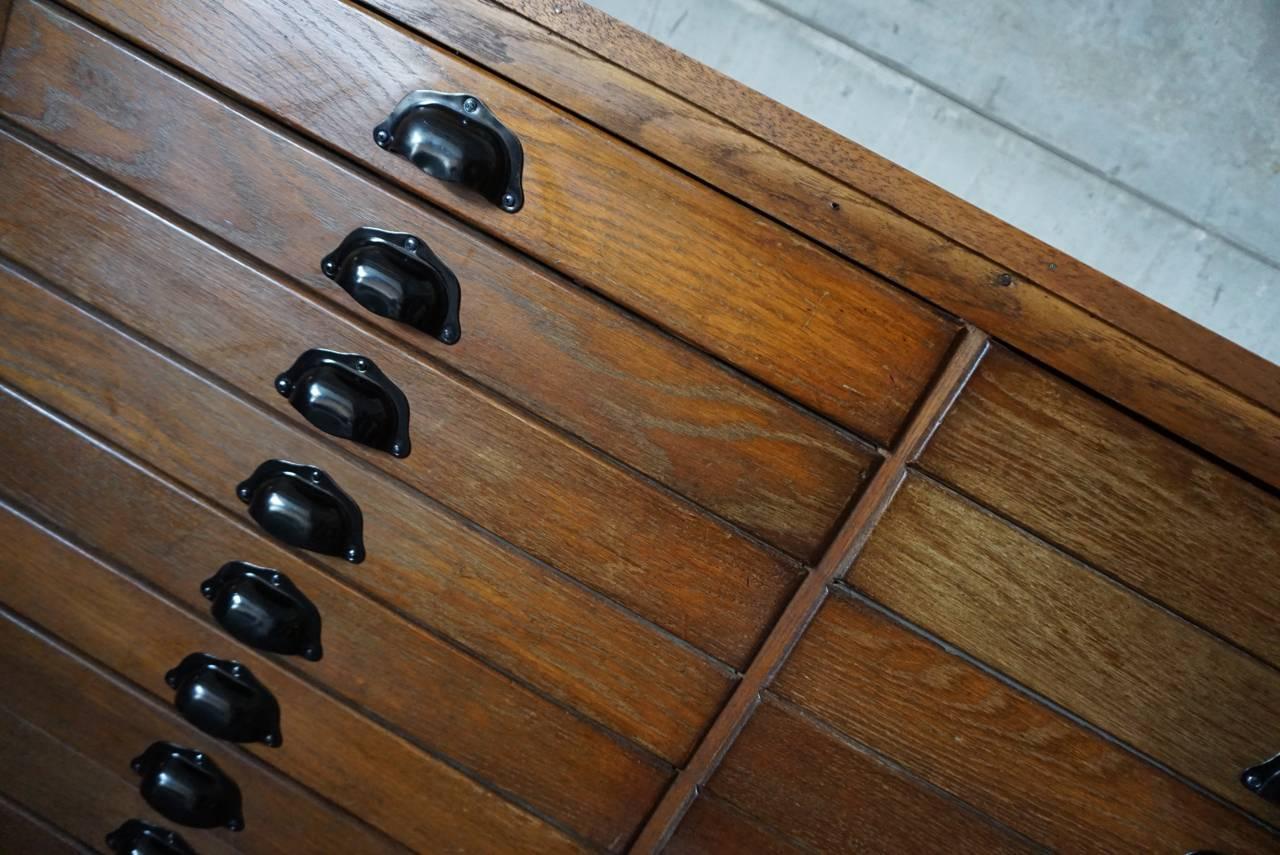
column 82, row 796
column 714, row 827
column 23, row 831
column 101, row 718
column 783, row 769
column 616, row 532
column 422, row 561
column 1123, row 497
column 1169, row 689
column 1008, row 755
column 1085, row 323
column 664, row 408
column 672, row 249
column 425, row 688
column 408, row 794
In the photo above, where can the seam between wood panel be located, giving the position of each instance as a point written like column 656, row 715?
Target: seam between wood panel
column 40, row 822
column 804, row 604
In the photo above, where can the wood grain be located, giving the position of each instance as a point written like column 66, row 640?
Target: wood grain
column 675, row 105
column 672, row 249
column 804, row 604
column 1173, row 691
column 786, row 770
column 1125, row 498
column 98, row 716
column 645, row 398
column 26, row 832
column 974, row 736
column 422, row 561
column 409, row 795
column 77, row 792
column 425, row 689
column 615, row 532
column 714, row 827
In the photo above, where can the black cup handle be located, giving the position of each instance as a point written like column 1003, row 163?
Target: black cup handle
column 135, row 837
column 185, row 786
column 453, row 136
column 1264, row 779
column 225, row 700
column 304, row 507
column 397, row 276
column 347, row 395
column 264, row 609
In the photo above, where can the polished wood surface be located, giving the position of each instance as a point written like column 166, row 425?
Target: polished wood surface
column 1130, row 501
column 411, row 796
column 668, row 247
column 101, row 717
column 429, row 565
column 653, row 403
column 1064, row 312
column 497, row 730
column 787, row 769
column 26, row 832
column 508, row 474
column 714, row 827
column 1167, row 688
column 975, row 736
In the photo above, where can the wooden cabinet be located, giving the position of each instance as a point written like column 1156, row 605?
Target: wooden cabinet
column 758, row 508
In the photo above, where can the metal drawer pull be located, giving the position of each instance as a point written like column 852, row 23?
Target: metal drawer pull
column 136, row 837
column 397, row 276
column 1264, row 779
column 303, row 507
column 225, row 700
column 183, row 785
column 346, row 395
column 454, row 137
column 264, row 609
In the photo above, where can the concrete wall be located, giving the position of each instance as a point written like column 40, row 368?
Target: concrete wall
column 1141, row 136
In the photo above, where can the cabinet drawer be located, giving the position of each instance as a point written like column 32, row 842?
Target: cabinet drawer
column 652, row 402
column 675, row 251
column 422, row 561
column 1164, row 686
column 436, row 696
column 1131, row 501
column 973, row 735
column 108, row 724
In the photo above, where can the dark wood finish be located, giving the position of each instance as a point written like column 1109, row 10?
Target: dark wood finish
column 1073, row 317
column 100, row 717
column 714, row 827
column 85, row 798
column 994, row 747
column 667, row 246
column 1127, row 499
column 657, row 405
column 426, row 689
column 408, row 794
column 25, row 832
column 1165, row 687
column 805, row 780
column 536, row 489
column 422, row 561
column 802, row 607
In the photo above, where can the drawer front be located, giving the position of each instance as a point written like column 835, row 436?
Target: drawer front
column 108, row 724
column 440, row 699
column 660, row 406
column 422, row 561
column 971, row 734
column 1164, row 686
column 1130, row 501
column 744, row 288
column 790, row 771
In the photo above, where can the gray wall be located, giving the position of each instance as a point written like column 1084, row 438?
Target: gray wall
column 1140, row 136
